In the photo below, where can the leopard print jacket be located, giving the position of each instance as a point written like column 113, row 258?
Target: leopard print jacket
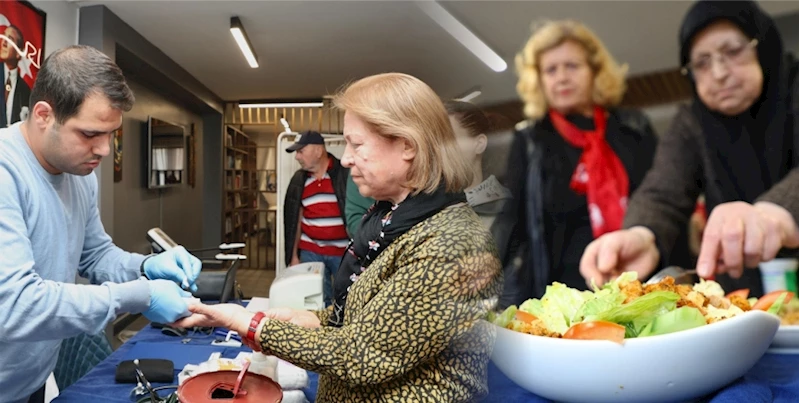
column 413, row 328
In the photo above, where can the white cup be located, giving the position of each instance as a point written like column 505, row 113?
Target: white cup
column 779, row 274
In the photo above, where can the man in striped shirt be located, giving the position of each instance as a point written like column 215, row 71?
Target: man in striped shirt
column 314, row 209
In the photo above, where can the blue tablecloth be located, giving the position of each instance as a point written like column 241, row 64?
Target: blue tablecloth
column 775, row 378
column 99, row 385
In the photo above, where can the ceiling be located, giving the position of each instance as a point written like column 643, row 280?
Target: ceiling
column 309, row 49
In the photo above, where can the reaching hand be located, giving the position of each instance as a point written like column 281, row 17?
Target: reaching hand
column 296, row 316
column 175, row 264
column 740, row 234
column 614, row 253
column 166, row 302
column 230, row 316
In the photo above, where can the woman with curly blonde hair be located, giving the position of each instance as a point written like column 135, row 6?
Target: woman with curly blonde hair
column 572, row 164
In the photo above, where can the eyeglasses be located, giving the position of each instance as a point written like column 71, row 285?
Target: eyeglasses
column 736, row 55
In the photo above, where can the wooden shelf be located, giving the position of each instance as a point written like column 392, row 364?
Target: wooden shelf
column 238, row 132
column 241, row 192
column 245, row 214
column 236, row 150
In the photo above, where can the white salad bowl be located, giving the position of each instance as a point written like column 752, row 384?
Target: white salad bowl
column 666, row 368
column 787, row 339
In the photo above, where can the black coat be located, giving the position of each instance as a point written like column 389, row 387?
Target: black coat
column 22, row 97
column 520, row 229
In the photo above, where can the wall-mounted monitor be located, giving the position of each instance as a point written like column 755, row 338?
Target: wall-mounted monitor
column 166, row 154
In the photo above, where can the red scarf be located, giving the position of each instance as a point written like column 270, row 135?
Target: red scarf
column 600, row 174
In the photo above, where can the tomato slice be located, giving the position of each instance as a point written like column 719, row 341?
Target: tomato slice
column 743, row 293
column 525, row 317
column 764, row 303
column 598, row 330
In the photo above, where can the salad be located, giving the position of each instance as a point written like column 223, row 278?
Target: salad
column 625, row 308
column 789, row 314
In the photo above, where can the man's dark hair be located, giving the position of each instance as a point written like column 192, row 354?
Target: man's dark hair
column 70, row 75
column 21, row 39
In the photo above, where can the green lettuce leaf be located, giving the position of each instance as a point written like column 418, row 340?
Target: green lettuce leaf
column 560, row 305
column 774, row 309
column 682, row 318
column 533, row 307
column 752, row 301
column 505, row 317
column 638, row 313
column 491, row 316
column 602, row 301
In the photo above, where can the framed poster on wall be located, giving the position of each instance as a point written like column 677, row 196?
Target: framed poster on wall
column 22, row 28
column 118, row 155
column 191, row 174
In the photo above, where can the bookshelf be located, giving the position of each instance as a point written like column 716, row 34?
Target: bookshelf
column 240, row 199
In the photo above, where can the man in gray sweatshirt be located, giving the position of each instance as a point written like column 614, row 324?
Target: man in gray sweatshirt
column 50, row 227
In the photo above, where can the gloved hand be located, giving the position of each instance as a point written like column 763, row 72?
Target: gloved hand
column 166, row 302
column 175, row 264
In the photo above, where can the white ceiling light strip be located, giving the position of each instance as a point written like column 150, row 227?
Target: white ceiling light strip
column 237, row 30
column 458, row 31
column 470, row 96
column 283, row 105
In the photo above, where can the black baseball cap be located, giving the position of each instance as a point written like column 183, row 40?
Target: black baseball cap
column 307, row 137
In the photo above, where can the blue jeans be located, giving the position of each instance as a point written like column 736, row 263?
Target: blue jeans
column 331, row 268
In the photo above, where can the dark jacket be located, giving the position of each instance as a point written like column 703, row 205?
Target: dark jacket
column 22, row 95
column 519, row 229
column 683, row 170
column 293, row 202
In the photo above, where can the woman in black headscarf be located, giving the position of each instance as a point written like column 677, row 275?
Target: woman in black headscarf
column 735, row 143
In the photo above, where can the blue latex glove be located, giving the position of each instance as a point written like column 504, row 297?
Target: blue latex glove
column 175, row 264
column 166, row 302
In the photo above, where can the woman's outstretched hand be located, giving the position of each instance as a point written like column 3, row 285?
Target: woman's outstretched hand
column 230, row 316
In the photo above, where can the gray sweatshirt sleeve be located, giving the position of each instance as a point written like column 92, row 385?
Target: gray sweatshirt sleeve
column 32, row 308
column 101, row 260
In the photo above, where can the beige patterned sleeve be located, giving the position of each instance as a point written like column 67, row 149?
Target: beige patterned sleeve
column 324, row 314
column 437, row 296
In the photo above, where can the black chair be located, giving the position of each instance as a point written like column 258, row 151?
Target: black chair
column 218, row 285
column 78, row 355
column 215, row 282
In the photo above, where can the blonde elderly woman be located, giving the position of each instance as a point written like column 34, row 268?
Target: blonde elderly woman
column 572, row 164
column 418, row 277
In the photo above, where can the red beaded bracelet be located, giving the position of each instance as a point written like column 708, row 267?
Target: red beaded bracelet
column 254, row 322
